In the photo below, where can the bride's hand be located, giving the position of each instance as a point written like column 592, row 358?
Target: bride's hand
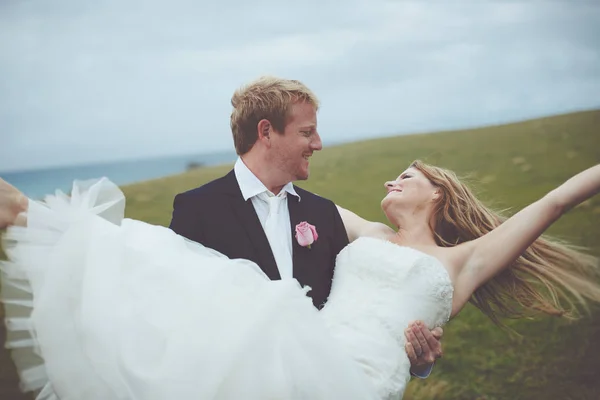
column 12, row 203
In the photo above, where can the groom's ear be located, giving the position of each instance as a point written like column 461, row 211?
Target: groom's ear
column 264, row 130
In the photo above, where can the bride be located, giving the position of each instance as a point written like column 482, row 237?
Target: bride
column 103, row 307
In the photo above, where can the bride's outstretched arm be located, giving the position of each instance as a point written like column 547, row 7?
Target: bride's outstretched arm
column 357, row 226
column 478, row 261
column 12, row 204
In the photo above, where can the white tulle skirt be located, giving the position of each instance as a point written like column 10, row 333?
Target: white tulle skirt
column 102, row 307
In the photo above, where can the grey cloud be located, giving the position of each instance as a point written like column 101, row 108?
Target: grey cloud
column 114, row 79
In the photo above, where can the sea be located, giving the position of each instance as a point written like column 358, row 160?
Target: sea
column 37, row 183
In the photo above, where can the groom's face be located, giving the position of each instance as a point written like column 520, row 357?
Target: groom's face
column 292, row 150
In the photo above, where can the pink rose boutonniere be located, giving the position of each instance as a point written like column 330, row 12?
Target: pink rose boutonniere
column 306, row 234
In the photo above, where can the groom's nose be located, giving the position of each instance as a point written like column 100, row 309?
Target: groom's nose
column 316, row 144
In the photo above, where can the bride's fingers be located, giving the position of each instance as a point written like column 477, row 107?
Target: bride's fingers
column 22, row 202
column 12, row 203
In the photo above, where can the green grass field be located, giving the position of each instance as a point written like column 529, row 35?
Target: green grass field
column 509, row 166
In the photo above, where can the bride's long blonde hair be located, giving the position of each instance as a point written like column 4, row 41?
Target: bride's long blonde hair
column 550, row 276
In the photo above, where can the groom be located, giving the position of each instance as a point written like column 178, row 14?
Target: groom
column 256, row 213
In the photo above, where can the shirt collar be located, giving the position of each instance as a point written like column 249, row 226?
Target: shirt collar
column 251, row 186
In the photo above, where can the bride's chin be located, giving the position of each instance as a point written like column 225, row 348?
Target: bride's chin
column 383, row 203
column 387, row 201
column 386, row 206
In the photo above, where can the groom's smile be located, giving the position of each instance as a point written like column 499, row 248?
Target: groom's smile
column 299, row 141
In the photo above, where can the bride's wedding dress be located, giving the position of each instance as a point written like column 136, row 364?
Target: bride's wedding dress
column 103, row 307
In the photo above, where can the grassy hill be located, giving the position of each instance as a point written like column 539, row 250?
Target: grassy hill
column 509, row 166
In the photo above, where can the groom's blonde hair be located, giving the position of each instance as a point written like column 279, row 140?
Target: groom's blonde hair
column 269, row 98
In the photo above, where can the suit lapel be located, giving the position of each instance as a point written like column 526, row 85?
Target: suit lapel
column 301, row 256
column 246, row 215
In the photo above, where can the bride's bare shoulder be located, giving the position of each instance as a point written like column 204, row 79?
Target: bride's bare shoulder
column 379, row 231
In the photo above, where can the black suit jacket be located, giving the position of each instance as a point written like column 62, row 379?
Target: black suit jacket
column 217, row 216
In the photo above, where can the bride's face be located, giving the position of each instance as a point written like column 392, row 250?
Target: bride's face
column 411, row 191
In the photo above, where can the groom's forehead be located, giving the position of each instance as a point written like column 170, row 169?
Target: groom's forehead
column 302, row 121
column 302, row 109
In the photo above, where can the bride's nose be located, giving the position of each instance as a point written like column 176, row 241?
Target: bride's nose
column 388, row 185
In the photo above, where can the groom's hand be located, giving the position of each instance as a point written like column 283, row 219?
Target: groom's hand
column 12, row 203
column 423, row 346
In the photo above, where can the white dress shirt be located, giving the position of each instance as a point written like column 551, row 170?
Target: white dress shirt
column 279, row 235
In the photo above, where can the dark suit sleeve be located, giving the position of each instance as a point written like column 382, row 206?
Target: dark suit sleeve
column 185, row 220
column 340, row 236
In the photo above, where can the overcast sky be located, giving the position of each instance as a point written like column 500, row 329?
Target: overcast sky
column 98, row 80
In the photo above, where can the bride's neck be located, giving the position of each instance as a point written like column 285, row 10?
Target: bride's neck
column 414, row 232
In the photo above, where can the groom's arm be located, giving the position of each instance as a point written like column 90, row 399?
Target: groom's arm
column 340, row 236
column 423, row 347
column 185, row 220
